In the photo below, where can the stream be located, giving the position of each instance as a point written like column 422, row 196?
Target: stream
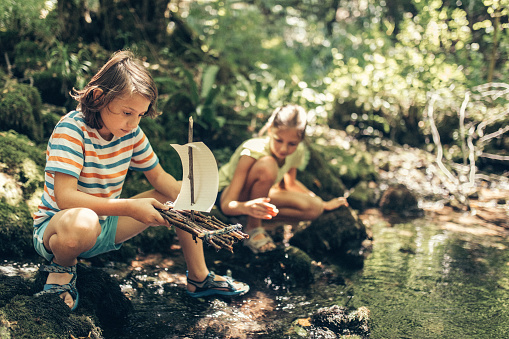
column 444, row 275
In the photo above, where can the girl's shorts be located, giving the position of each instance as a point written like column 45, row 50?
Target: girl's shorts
column 105, row 242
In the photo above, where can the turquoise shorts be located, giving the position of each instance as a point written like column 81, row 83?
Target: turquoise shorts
column 105, row 241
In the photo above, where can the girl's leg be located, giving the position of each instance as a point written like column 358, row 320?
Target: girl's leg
column 69, row 233
column 193, row 250
column 296, row 205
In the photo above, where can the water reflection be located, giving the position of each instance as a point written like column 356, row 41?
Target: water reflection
column 424, row 280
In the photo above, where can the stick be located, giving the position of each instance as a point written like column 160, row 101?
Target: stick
column 190, row 152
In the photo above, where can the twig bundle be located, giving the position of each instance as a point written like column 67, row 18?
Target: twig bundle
column 208, row 228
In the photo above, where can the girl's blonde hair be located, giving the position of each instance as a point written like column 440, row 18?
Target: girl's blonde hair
column 289, row 116
column 122, row 75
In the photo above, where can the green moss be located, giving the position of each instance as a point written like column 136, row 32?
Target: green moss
column 20, row 110
column 23, row 160
column 16, row 231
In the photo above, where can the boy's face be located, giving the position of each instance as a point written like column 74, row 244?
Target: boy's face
column 122, row 115
column 283, row 141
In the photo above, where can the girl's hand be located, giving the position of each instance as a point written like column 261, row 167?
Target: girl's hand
column 261, row 208
column 144, row 210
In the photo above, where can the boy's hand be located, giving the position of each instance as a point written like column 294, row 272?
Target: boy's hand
column 261, row 208
column 144, row 210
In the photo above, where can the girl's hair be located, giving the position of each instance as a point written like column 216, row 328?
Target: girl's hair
column 289, row 116
column 122, row 75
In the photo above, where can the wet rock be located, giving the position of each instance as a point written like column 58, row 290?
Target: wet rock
column 102, row 307
column 335, row 322
column 364, row 195
column 337, row 235
column 400, row 200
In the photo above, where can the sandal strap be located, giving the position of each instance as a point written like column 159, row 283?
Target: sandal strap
column 210, row 282
column 56, row 268
column 58, row 289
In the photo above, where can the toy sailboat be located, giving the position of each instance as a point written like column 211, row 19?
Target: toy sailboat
column 198, row 194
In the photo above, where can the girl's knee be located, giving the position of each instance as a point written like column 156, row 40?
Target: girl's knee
column 265, row 168
column 80, row 224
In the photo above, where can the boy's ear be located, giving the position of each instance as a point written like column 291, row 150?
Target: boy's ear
column 97, row 93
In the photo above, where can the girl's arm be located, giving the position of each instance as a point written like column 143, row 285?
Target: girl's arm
column 68, row 196
column 230, row 199
column 163, row 182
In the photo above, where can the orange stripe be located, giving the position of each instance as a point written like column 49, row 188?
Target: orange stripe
column 148, row 158
column 142, row 140
column 68, row 138
column 109, row 155
column 104, row 195
column 65, row 160
column 102, row 176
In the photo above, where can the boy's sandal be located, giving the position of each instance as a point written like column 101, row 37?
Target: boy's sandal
column 210, row 286
column 59, row 289
column 256, row 245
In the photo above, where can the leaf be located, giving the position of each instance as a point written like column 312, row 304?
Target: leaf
column 209, row 78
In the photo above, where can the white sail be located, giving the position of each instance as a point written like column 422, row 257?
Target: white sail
column 205, row 178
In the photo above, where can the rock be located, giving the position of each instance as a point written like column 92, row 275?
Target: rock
column 364, row 195
column 338, row 322
column 400, row 200
column 336, row 235
column 102, row 307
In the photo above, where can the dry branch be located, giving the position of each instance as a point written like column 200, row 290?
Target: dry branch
column 207, row 228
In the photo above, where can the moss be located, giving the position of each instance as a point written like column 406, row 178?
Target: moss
column 23, row 160
column 20, row 110
column 16, row 231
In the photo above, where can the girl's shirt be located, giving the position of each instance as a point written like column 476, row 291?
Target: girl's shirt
column 99, row 165
column 257, row 148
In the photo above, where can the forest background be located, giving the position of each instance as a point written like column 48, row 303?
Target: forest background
column 428, row 74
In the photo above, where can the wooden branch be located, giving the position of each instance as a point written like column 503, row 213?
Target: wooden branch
column 207, row 228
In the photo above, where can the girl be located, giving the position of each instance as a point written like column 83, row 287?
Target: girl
column 88, row 155
column 260, row 179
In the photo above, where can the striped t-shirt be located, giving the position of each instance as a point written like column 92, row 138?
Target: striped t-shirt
column 99, row 165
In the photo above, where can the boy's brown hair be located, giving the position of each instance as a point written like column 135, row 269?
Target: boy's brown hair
column 122, row 75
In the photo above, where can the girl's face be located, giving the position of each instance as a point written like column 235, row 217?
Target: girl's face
column 122, row 115
column 283, row 141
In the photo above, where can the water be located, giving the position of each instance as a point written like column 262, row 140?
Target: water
column 441, row 276
column 432, row 279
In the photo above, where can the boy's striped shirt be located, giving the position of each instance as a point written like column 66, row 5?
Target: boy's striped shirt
column 99, row 165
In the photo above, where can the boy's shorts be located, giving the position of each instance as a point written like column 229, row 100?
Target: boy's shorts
column 105, row 242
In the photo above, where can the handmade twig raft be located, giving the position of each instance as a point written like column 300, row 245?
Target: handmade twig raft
column 208, row 228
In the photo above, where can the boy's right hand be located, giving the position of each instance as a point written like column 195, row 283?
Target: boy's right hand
column 261, row 208
column 144, row 210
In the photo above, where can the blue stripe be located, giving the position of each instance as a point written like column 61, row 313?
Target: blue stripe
column 70, row 126
column 108, row 166
column 97, row 185
column 61, row 170
column 49, row 185
column 142, row 151
column 47, row 204
column 66, row 149
column 145, row 168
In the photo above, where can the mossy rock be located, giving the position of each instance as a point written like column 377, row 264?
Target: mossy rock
column 400, row 200
column 320, row 176
column 23, row 160
column 20, row 110
column 16, row 232
column 364, row 195
column 336, row 236
column 102, row 308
